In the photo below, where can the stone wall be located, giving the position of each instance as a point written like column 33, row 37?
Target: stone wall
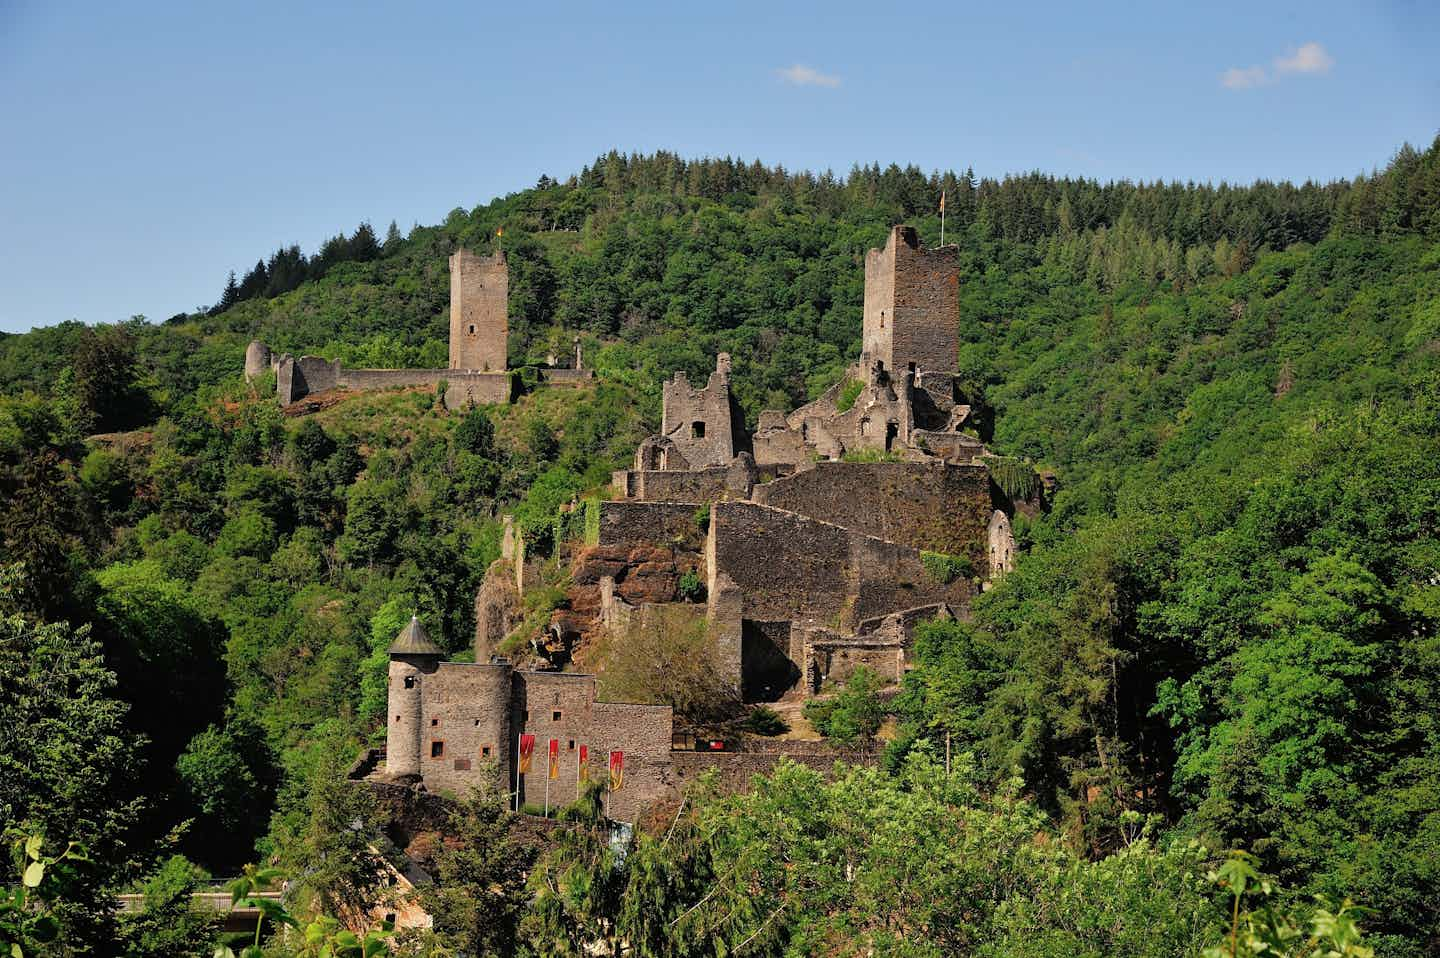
column 785, row 565
column 736, row 771
column 479, row 294
column 477, row 388
column 624, row 523
column 791, row 567
column 562, row 707
column 926, row 505
column 828, row 656
column 298, row 378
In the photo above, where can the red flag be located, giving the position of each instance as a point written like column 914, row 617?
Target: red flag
column 527, row 750
column 554, row 758
column 617, row 771
column 585, row 764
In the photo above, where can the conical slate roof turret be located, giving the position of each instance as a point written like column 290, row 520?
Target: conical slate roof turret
column 412, row 640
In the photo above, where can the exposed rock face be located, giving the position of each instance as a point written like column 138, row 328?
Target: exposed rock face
column 498, row 609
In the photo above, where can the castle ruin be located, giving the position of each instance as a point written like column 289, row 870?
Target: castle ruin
column 822, row 539
column 479, row 340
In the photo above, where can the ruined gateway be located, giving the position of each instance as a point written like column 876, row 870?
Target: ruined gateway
column 821, row 540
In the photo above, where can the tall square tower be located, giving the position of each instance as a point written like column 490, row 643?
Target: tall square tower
column 912, row 306
column 479, row 292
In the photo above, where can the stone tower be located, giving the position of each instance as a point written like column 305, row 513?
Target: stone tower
column 413, row 657
column 479, row 291
column 912, row 306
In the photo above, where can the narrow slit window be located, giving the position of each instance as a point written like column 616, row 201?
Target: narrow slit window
column 571, row 746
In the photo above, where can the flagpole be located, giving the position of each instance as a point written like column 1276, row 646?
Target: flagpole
column 942, row 217
column 517, row 775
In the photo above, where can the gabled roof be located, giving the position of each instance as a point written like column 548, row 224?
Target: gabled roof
column 412, row 640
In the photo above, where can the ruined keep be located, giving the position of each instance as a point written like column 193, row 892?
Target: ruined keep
column 912, row 306
column 479, row 340
column 479, row 294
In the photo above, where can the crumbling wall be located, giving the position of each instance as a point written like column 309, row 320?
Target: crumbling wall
column 705, row 424
column 938, row 506
column 257, row 359
column 478, row 388
column 829, row 656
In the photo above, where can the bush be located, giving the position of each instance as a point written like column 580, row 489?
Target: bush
column 848, row 394
column 763, row 720
column 691, row 589
column 853, row 713
column 945, row 569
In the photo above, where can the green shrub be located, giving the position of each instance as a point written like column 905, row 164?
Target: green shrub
column 848, row 394
column 853, row 713
column 690, row 587
column 945, row 569
column 764, row 720
column 702, row 519
column 1015, row 477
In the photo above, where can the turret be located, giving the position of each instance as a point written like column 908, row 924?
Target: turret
column 412, row 657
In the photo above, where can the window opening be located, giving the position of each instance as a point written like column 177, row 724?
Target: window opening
column 697, row 430
column 437, row 749
column 555, row 716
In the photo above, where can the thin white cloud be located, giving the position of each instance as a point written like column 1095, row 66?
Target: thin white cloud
column 801, row 75
column 1309, row 58
column 1237, row 79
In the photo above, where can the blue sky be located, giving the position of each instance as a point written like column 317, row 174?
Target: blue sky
column 144, row 152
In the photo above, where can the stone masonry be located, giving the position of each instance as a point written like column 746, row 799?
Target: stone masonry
column 479, row 292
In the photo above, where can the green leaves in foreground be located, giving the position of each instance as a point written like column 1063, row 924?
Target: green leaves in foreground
column 27, row 924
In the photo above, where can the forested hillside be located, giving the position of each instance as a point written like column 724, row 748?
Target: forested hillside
column 1223, row 635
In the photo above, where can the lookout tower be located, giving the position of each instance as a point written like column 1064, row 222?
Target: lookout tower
column 912, row 306
column 413, row 657
column 479, row 291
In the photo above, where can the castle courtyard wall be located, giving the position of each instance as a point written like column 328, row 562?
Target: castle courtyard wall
column 943, row 507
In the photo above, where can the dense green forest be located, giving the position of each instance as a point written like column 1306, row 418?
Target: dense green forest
column 1222, row 636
